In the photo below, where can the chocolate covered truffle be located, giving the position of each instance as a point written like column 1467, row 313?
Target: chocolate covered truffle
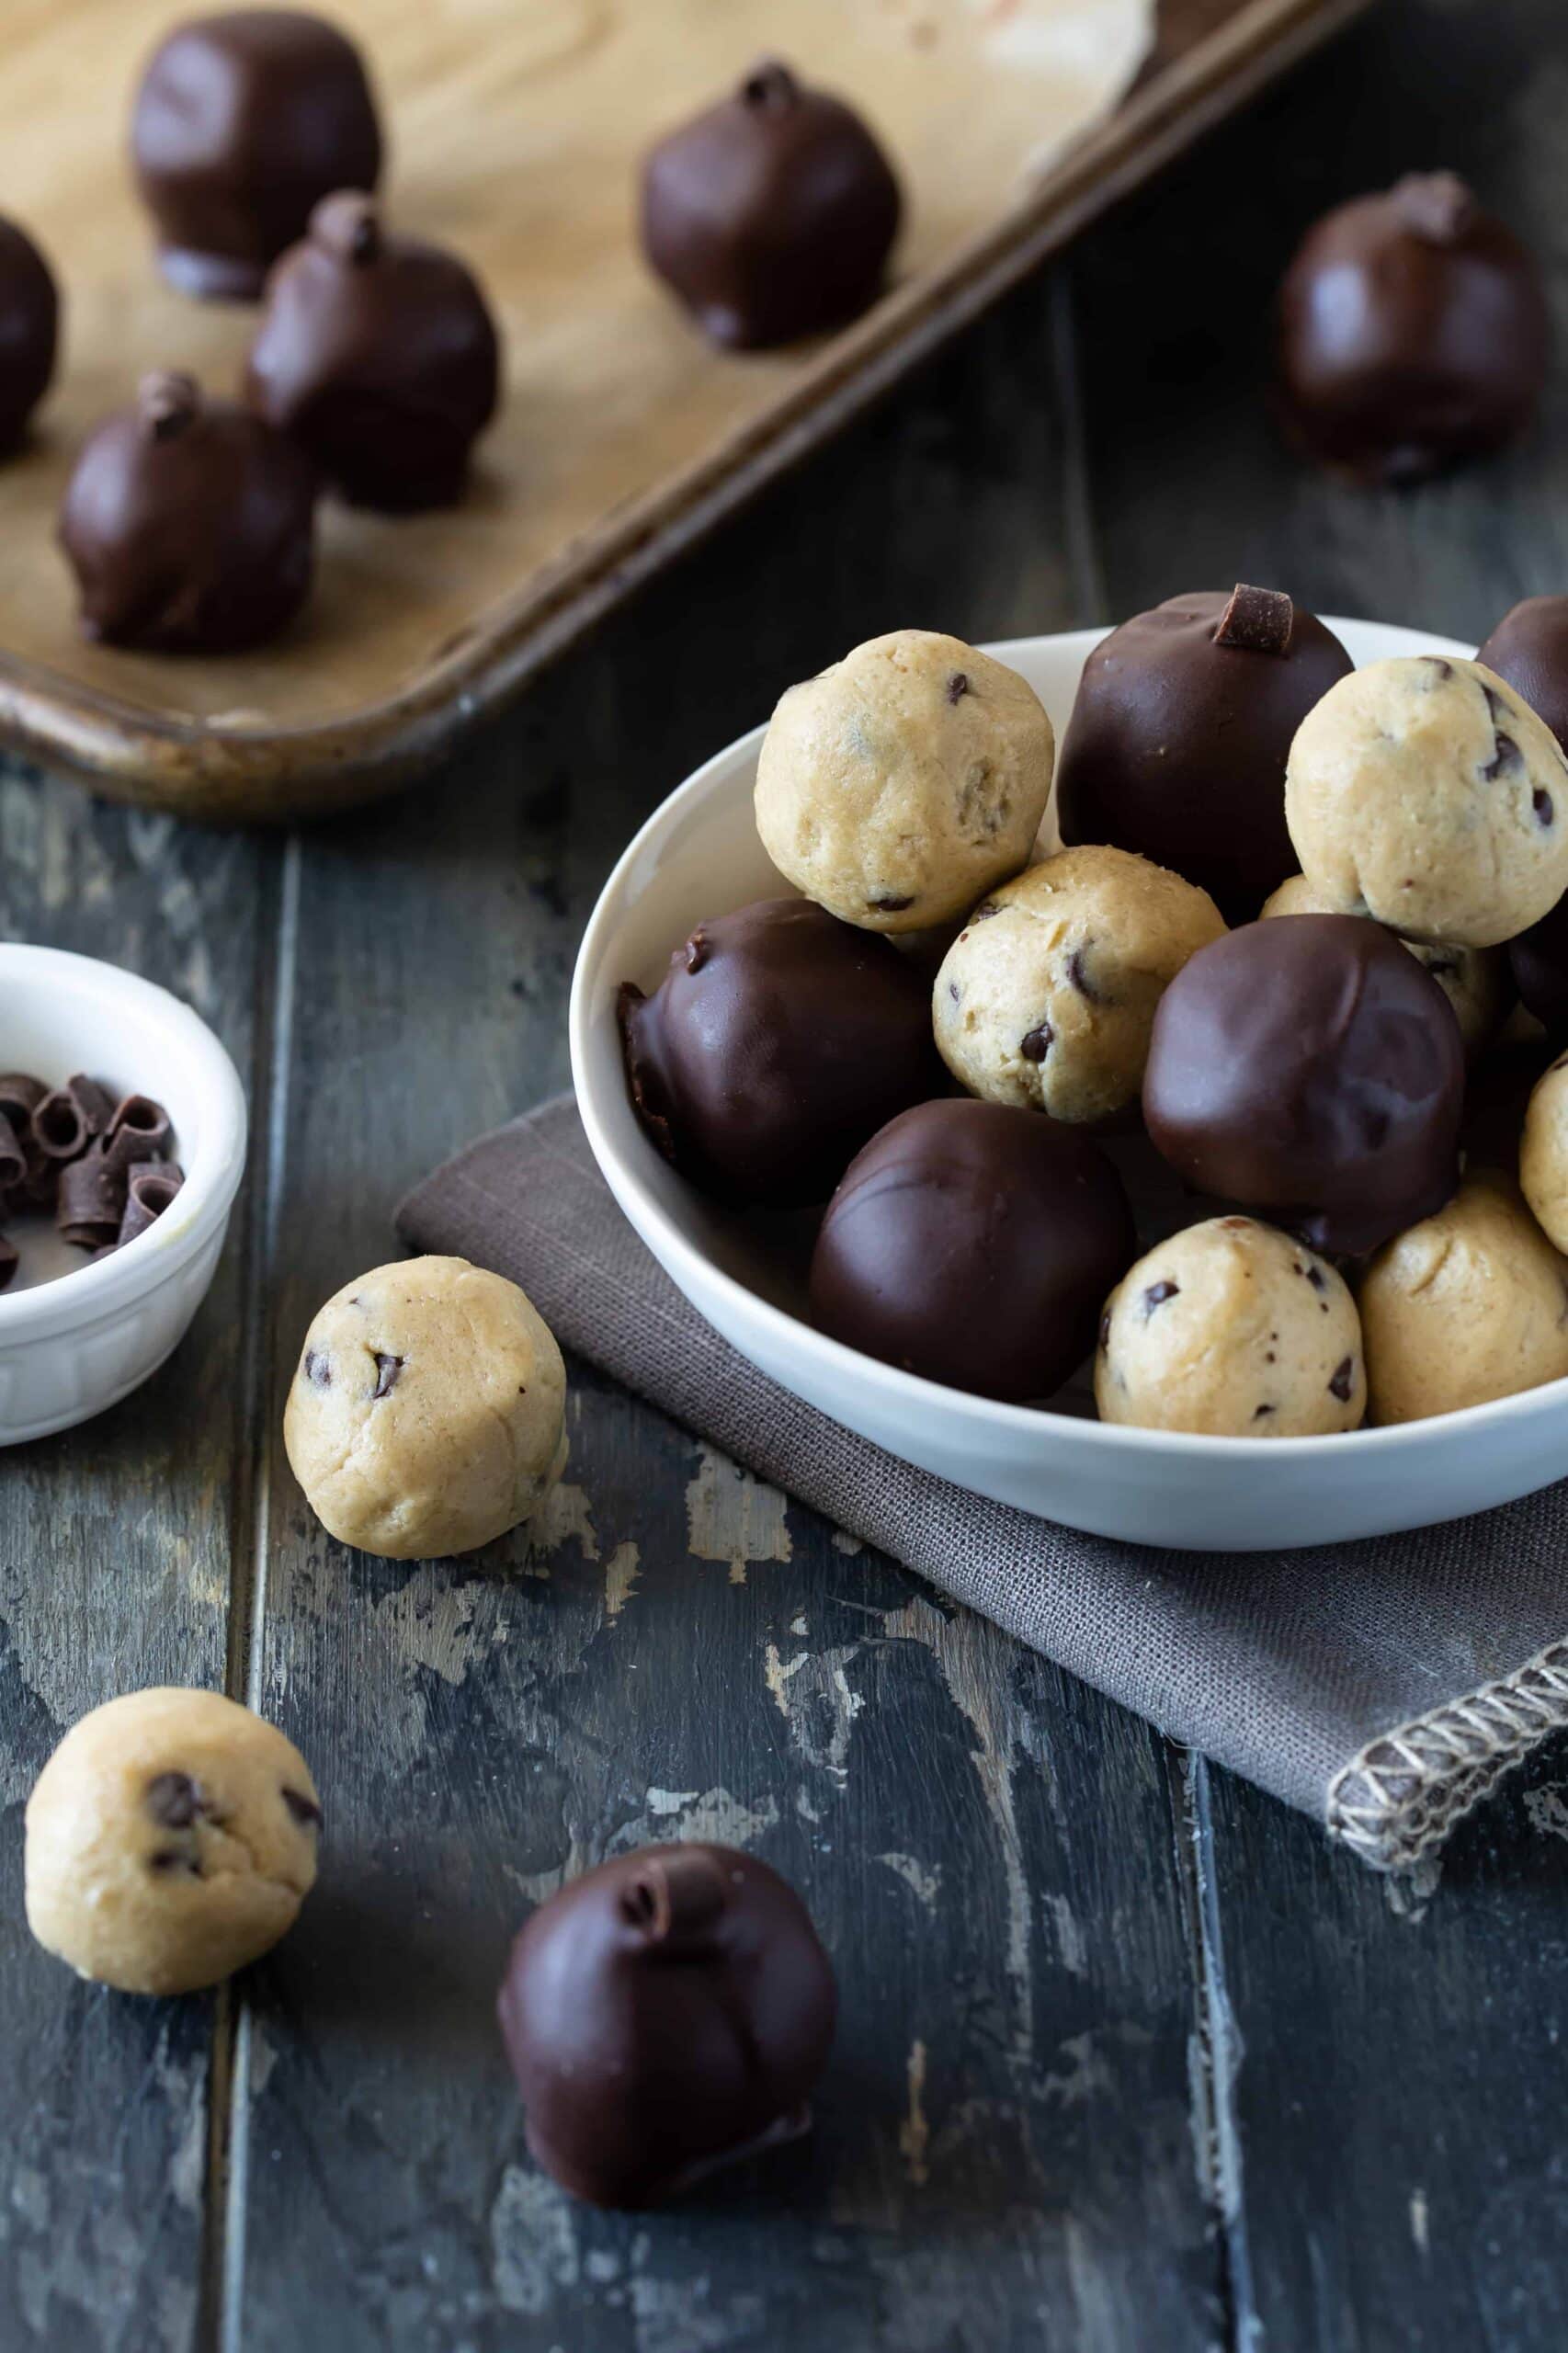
column 1538, row 960
column 380, row 356
column 665, row 2014
column 1179, row 735
column 777, row 1044
column 30, row 328
column 973, row 1242
column 1412, row 334
column 772, row 215
column 189, row 524
column 1309, row 1068
column 242, row 123
column 1528, row 649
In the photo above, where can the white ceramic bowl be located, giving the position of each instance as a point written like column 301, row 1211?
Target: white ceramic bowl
column 76, row 1344
column 698, row 855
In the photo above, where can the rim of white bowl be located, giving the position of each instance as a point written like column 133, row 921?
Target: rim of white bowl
column 912, row 1389
column 212, row 1174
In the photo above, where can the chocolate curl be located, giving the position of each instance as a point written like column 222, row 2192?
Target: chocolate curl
column 138, row 1130
column 1437, row 207
column 675, row 1896
column 8, row 1261
column 167, row 402
column 1260, row 620
column 13, row 1159
column 770, row 86
column 64, row 1123
column 348, row 225
column 20, row 1095
column 92, row 1201
column 153, row 1186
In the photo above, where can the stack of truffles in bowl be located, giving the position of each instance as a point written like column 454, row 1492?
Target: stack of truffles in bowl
column 1272, row 973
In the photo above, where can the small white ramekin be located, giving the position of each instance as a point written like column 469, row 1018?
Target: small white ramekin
column 71, row 1347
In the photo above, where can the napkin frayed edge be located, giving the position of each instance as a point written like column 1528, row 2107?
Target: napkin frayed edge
column 1401, row 1797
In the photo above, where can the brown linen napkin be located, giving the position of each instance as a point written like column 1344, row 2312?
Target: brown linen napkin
column 1383, row 1686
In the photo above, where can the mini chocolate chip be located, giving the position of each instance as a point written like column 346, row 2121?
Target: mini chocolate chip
column 697, row 950
column 317, row 1369
column 1269, row 1356
column 890, row 905
column 986, row 909
column 1078, row 975
column 1445, row 967
column 1261, row 1411
column 958, row 686
column 1344, row 1381
column 1037, row 1044
column 1314, row 1275
column 387, row 1370
column 953, row 991
column 169, row 1859
column 1439, row 668
column 1157, row 1296
column 174, row 1800
column 1105, row 1330
column 1541, row 803
column 1505, row 757
column 304, row 1809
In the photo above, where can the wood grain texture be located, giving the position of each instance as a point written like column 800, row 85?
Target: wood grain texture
column 517, row 134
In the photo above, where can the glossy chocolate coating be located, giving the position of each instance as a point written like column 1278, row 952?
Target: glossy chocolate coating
column 665, row 2014
column 29, row 330
column 1309, row 1068
column 1176, row 747
column 1413, row 333
column 973, row 1243
column 772, row 215
column 778, row 1041
column 190, row 525
column 242, row 123
column 380, row 356
column 1529, row 651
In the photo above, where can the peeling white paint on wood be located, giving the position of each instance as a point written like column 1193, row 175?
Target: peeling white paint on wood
column 734, row 1517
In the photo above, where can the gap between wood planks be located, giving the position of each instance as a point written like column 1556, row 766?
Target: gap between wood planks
column 222, row 2282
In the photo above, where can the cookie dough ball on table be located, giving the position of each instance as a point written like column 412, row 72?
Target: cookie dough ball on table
column 901, row 785
column 777, row 1043
column 1476, row 981
column 1465, row 1307
column 242, row 122
column 1232, row 1329
column 1543, row 1154
column 1424, row 792
column 1307, row 1067
column 664, row 2015
column 428, row 1413
column 973, row 1243
column 1179, row 735
column 1413, row 333
column 1047, row 996
column 171, row 1839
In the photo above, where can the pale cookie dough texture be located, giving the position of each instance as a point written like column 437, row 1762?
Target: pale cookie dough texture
column 1232, row 1329
column 427, row 1415
column 1474, row 980
column 1424, row 793
column 1467, row 1305
column 901, row 785
column 1543, row 1154
column 1047, row 996
column 170, row 1840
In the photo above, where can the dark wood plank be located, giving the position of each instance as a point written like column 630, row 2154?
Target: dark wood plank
column 115, row 1553
column 1006, row 2135
column 1384, row 2052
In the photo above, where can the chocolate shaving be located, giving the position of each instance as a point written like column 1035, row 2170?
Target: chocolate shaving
column 153, row 1186
column 1258, row 621
column 675, row 1896
column 19, row 1098
column 65, row 1121
column 348, row 225
column 167, row 403
column 139, row 1129
column 91, row 1201
column 13, row 1159
column 387, row 1370
column 1437, row 207
column 770, row 85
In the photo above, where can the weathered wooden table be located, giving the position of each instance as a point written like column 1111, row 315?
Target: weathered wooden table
column 1129, row 2060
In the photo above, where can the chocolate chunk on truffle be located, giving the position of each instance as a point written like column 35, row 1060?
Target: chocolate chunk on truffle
column 974, row 1244
column 242, row 123
column 1528, row 649
column 1309, row 1068
column 30, row 328
column 772, row 215
column 665, row 2014
column 189, row 524
column 1413, row 333
column 777, row 1043
column 1179, row 735
column 380, row 356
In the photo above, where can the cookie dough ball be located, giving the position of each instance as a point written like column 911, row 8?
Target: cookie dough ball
column 1232, row 1329
column 427, row 1415
column 1467, row 1305
column 901, row 785
column 1424, row 792
column 1476, row 981
column 1543, row 1152
column 171, row 1839
column 1047, row 996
